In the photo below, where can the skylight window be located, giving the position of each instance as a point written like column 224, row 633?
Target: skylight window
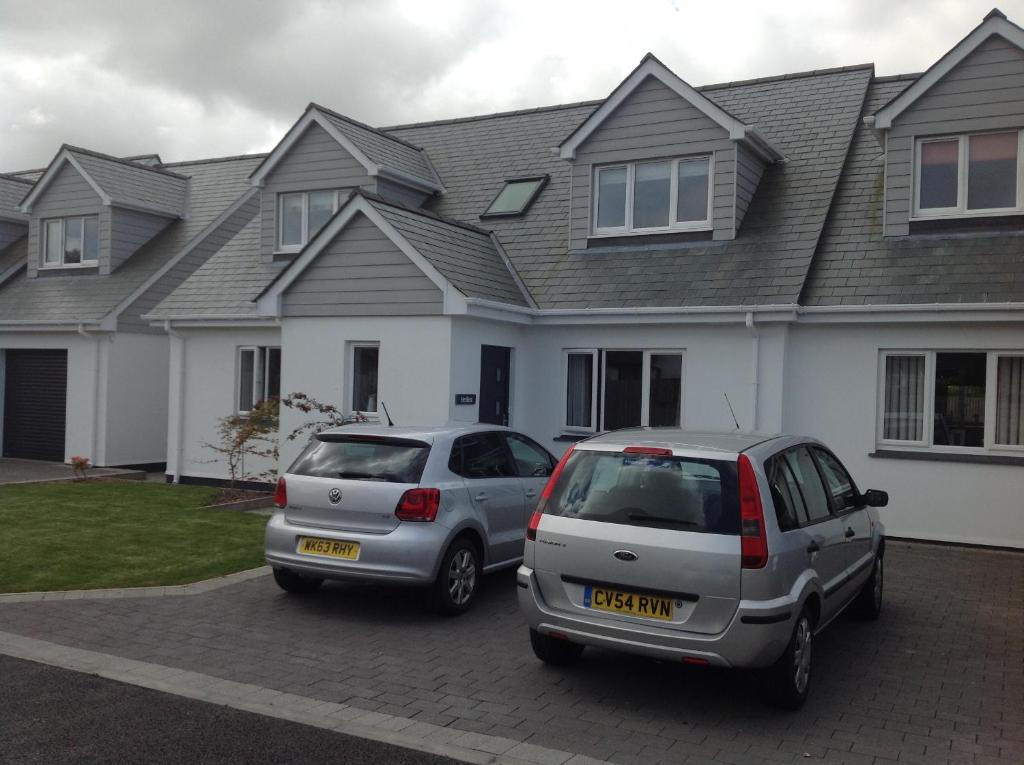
column 516, row 197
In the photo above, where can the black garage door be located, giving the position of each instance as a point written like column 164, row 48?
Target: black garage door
column 35, row 396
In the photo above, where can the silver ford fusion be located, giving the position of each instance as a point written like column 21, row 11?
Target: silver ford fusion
column 436, row 507
column 730, row 550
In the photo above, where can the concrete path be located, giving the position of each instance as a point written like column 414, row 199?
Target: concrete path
column 36, row 471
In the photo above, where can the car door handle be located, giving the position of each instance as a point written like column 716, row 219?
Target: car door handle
column 813, row 548
column 850, row 533
column 531, row 493
column 480, row 497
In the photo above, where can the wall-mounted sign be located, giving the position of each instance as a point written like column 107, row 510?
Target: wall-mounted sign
column 465, row 399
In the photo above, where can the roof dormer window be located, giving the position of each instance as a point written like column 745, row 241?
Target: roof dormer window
column 300, row 215
column 72, row 241
column 653, row 197
column 963, row 175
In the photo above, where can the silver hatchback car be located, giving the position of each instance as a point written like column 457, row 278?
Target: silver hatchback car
column 729, row 550
column 404, row 505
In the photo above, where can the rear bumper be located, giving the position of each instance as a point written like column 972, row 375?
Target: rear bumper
column 407, row 555
column 755, row 637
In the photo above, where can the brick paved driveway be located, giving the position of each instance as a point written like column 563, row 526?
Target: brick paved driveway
column 940, row 678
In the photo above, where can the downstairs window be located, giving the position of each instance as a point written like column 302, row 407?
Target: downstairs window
column 611, row 389
column 259, row 376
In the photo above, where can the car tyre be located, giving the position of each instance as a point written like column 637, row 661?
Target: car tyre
column 787, row 683
column 868, row 604
column 458, row 579
column 559, row 653
column 297, row 584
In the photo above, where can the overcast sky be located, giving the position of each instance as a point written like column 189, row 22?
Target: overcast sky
column 202, row 78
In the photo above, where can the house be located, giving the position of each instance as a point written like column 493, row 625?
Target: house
column 829, row 252
column 87, row 246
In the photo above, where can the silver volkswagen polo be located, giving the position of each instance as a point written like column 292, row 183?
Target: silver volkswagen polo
column 729, row 550
column 426, row 506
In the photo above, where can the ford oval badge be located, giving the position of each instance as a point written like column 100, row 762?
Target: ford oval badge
column 334, row 495
column 625, row 555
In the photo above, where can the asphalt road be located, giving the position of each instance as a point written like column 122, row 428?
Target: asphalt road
column 51, row 715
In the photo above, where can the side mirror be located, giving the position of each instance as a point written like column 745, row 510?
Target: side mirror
column 875, row 498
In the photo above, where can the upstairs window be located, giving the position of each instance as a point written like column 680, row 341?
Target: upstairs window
column 516, row 197
column 71, row 241
column 976, row 174
column 653, row 197
column 300, row 215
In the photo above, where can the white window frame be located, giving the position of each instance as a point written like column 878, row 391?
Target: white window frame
column 260, row 378
column 928, row 426
column 599, row 356
column 44, row 239
column 280, row 247
column 962, row 179
column 350, row 387
column 628, row 229
column 594, row 355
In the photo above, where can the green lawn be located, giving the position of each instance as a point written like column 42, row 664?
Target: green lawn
column 69, row 536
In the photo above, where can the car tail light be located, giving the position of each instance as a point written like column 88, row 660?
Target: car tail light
column 655, row 451
column 754, row 541
column 281, row 493
column 696, row 661
column 531, row 527
column 419, row 505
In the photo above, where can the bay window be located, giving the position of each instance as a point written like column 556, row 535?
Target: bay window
column 978, row 174
column 611, row 389
column 952, row 400
column 652, row 197
column 300, row 215
column 259, row 376
column 72, row 241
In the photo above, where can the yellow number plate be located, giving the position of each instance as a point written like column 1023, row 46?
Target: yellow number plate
column 647, row 606
column 329, row 548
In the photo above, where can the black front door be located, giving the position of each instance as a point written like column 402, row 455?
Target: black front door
column 35, row 395
column 495, row 366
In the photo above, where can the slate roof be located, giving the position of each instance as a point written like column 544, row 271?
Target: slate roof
column 854, row 265
column 133, row 184
column 214, row 186
column 12, row 190
column 465, row 255
column 388, row 151
column 12, row 257
column 810, row 118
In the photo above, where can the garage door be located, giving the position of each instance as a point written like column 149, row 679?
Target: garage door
column 35, row 396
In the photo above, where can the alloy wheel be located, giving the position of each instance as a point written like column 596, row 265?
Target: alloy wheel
column 462, row 577
column 802, row 655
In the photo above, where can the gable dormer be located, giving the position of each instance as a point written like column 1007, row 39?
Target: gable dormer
column 90, row 212
column 659, row 161
column 953, row 138
column 323, row 157
column 13, row 222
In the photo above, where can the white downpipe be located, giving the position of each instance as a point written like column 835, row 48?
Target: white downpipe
column 755, row 366
column 179, row 429
column 94, row 455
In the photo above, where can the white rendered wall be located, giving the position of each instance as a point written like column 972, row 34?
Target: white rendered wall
column 136, row 399
column 832, row 394
column 468, row 335
column 208, row 386
column 84, row 425
column 413, row 372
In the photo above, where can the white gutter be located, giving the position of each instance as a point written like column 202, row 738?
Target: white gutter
column 755, row 366
column 179, row 445
column 95, row 457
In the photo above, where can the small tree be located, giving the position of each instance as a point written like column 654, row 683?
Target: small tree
column 330, row 415
column 252, row 435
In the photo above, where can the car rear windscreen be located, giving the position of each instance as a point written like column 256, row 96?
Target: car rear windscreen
column 686, row 494
column 363, row 458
